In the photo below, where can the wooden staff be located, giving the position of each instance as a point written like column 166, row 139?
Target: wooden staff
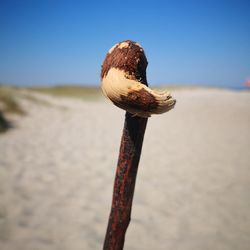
column 124, row 83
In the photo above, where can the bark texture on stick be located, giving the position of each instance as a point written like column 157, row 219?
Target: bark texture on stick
column 124, row 82
column 129, row 156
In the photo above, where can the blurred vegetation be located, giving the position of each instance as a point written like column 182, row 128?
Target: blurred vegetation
column 8, row 100
column 31, row 98
column 70, row 91
column 4, row 124
column 8, row 104
column 10, row 96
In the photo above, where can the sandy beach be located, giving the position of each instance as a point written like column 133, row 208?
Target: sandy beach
column 57, row 166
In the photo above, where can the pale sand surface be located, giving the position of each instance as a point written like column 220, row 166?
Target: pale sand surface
column 57, row 167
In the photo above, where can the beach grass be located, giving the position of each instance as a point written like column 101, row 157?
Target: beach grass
column 8, row 105
column 4, row 124
column 8, row 100
column 10, row 97
column 74, row 91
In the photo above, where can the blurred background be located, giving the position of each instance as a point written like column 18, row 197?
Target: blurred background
column 59, row 138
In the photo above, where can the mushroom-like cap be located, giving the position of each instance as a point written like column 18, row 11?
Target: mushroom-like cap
column 124, row 81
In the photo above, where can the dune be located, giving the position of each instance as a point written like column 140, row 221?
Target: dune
column 58, row 161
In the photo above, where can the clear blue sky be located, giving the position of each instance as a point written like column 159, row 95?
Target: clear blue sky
column 54, row 42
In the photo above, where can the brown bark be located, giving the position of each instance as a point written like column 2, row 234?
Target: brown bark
column 131, row 59
column 129, row 157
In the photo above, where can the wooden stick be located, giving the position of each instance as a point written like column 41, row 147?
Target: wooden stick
column 124, row 185
column 124, row 82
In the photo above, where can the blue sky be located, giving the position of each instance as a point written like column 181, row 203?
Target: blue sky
column 186, row 42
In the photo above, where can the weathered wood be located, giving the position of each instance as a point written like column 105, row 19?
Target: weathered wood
column 124, row 185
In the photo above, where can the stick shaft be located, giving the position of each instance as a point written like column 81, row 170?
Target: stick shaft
column 129, row 157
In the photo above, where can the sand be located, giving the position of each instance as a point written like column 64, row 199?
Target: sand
column 57, row 166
